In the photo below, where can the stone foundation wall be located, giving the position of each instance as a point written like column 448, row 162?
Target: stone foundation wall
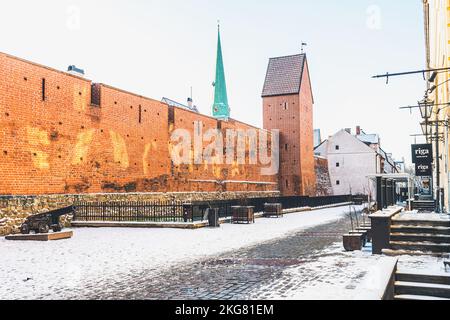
column 15, row 209
column 324, row 187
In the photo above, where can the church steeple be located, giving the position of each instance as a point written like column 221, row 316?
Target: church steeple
column 221, row 109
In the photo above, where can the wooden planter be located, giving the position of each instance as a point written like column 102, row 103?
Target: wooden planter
column 353, row 242
column 273, row 210
column 243, row 214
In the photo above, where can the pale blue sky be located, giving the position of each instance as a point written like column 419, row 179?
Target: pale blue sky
column 162, row 48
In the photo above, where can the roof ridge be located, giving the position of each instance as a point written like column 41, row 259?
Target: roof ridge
column 288, row 56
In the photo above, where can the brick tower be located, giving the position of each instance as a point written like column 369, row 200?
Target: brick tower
column 288, row 106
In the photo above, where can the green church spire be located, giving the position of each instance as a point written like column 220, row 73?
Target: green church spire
column 221, row 109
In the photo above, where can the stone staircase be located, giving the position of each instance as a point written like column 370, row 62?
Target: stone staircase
column 430, row 236
column 424, row 205
column 416, row 286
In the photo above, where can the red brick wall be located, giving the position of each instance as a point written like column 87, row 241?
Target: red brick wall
column 295, row 122
column 231, row 176
column 308, row 175
column 66, row 145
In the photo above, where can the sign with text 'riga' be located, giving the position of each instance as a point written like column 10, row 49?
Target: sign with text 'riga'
column 422, row 153
column 424, row 170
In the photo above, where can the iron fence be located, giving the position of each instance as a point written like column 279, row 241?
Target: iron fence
column 177, row 211
column 197, row 210
column 155, row 211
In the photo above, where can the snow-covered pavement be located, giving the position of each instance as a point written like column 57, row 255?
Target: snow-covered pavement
column 34, row 270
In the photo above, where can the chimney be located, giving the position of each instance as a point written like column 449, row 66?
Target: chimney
column 358, row 130
column 75, row 71
column 190, row 103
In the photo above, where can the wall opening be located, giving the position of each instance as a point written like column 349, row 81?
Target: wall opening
column 95, row 94
column 43, row 89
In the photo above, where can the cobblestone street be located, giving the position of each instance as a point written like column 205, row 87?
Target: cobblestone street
column 284, row 258
column 237, row 275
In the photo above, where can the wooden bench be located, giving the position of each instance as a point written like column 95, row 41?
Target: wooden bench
column 363, row 233
column 273, row 210
column 243, row 214
column 367, row 230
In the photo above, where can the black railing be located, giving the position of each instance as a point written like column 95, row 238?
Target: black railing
column 177, row 211
column 196, row 210
column 155, row 211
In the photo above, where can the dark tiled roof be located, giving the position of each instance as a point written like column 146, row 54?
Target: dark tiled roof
column 284, row 75
column 173, row 103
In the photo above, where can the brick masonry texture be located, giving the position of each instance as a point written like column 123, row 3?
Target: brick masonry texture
column 62, row 134
column 293, row 115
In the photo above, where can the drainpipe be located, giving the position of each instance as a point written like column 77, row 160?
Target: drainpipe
column 438, row 173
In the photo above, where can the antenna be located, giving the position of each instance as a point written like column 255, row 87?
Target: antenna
column 304, row 44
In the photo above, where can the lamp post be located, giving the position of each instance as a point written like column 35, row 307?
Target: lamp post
column 425, row 107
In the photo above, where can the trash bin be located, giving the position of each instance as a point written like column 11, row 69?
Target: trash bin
column 213, row 217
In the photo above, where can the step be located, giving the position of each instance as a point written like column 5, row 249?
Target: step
column 423, row 278
column 403, row 252
column 421, row 223
column 422, row 289
column 420, row 229
column 411, row 297
column 420, row 246
column 420, row 237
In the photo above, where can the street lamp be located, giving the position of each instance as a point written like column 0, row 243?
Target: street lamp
column 425, row 107
column 426, row 129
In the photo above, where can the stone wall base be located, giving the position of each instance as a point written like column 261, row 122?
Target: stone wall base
column 15, row 209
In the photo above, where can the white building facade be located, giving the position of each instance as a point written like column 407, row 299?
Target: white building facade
column 351, row 159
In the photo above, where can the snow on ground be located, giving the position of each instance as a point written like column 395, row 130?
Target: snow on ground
column 31, row 270
column 339, row 275
column 423, row 264
column 355, row 275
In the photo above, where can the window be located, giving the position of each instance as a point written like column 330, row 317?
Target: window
column 286, row 147
column 338, row 164
column 338, row 148
column 43, row 89
column 286, row 106
column 140, row 114
column 287, row 184
column 338, row 182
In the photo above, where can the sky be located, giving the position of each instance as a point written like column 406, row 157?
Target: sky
column 162, row 48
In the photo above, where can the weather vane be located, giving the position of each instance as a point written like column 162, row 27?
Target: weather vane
column 304, row 44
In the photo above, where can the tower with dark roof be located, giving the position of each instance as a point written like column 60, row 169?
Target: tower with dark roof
column 288, row 106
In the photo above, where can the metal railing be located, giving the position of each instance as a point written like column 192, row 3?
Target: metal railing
column 177, row 211
column 155, row 211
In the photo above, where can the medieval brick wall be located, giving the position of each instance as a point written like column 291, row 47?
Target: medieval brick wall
column 56, row 139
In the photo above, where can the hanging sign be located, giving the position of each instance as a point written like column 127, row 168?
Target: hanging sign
column 422, row 153
column 424, row 170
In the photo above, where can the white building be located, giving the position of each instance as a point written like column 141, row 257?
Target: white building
column 352, row 158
